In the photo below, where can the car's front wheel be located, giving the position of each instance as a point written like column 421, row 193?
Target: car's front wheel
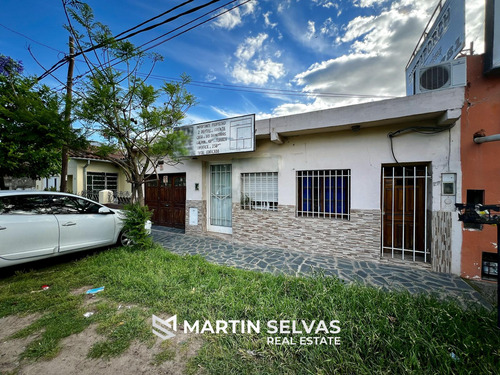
column 124, row 240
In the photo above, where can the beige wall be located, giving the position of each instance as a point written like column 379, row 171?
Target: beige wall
column 76, row 168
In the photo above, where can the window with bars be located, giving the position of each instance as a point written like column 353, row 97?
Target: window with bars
column 97, row 181
column 324, row 193
column 259, row 191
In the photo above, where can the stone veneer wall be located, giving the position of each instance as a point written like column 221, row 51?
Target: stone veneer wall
column 356, row 238
column 441, row 241
column 201, row 228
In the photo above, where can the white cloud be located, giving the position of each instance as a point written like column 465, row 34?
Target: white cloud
column 329, row 28
column 368, row 3
column 253, row 64
column 378, row 48
column 251, row 45
column 283, row 5
column 311, row 29
column 233, row 18
column 257, row 72
column 267, row 22
column 326, row 4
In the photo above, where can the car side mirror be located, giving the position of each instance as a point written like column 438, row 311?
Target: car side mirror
column 105, row 211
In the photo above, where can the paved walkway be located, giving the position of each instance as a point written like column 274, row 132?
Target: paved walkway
column 386, row 276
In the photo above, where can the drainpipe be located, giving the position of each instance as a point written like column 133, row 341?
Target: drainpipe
column 490, row 138
column 85, row 175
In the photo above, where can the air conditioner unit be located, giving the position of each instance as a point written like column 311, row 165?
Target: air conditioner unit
column 442, row 76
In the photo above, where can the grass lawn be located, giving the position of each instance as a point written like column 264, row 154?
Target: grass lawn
column 381, row 332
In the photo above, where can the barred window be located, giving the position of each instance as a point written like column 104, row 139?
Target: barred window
column 102, row 181
column 259, row 191
column 324, row 193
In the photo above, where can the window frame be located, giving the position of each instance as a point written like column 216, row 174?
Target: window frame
column 326, row 193
column 107, row 177
column 252, row 185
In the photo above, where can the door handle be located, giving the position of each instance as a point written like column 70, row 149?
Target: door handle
column 69, row 224
column 167, row 205
column 2, row 228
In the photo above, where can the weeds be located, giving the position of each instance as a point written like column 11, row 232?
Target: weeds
column 381, row 332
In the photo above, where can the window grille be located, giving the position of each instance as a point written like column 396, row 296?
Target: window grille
column 324, row 193
column 259, row 191
column 102, row 181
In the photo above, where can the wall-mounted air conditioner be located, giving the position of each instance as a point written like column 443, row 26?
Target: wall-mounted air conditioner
column 442, row 76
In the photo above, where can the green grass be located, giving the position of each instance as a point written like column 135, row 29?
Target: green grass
column 381, row 332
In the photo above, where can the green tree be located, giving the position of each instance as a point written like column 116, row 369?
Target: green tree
column 32, row 129
column 135, row 121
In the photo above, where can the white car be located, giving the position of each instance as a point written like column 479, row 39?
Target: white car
column 36, row 225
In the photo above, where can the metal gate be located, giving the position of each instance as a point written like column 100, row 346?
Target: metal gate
column 404, row 212
column 220, row 219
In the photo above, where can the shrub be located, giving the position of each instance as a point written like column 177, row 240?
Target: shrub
column 134, row 222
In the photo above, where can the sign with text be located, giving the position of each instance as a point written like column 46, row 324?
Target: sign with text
column 443, row 42
column 221, row 137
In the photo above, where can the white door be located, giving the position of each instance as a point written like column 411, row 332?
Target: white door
column 27, row 228
column 220, row 218
column 81, row 226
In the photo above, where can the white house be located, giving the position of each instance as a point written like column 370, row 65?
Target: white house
column 374, row 181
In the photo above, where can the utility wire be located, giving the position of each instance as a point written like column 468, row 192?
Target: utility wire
column 229, row 87
column 63, row 61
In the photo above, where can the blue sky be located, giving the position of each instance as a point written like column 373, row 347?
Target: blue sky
column 278, row 49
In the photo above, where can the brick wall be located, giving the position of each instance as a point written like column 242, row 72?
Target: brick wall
column 356, row 238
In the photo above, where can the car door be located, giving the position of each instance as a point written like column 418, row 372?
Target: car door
column 27, row 227
column 81, row 226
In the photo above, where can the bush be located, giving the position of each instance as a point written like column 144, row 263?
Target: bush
column 135, row 219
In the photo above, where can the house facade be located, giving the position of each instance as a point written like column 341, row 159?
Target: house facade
column 374, row 181
column 87, row 175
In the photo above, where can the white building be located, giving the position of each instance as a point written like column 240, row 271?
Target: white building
column 333, row 182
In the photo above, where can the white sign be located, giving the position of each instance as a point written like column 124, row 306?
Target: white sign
column 443, row 42
column 222, row 137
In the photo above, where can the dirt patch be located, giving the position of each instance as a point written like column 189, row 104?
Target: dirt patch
column 164, row 357
column 10, row 349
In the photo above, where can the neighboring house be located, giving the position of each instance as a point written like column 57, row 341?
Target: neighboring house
column 333, row 182
column 89, row 174
column 480, row 168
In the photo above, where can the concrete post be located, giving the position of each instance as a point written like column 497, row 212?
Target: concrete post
column 105, row 196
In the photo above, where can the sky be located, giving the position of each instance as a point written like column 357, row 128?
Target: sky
column 264, row 57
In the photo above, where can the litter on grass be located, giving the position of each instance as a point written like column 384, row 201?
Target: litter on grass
column 95, row 290
column 88, row 314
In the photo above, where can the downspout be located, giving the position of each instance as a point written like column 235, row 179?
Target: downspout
column 85, row 175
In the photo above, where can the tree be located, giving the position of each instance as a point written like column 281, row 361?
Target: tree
column 135, row 121
column 32, row 129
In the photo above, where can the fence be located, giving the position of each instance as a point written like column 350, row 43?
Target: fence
column 117, row 197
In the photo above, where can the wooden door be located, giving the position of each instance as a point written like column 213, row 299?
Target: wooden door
column 404, row 211
column 167, row 198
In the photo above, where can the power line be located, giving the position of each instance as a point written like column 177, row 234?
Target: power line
column 240, row 88
column 61, row 62
column 27, row 37
column 222, row 86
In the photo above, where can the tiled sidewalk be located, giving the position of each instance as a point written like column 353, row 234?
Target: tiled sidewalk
column 389, row 277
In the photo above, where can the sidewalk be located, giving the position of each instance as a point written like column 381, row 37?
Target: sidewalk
column 263, row 259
